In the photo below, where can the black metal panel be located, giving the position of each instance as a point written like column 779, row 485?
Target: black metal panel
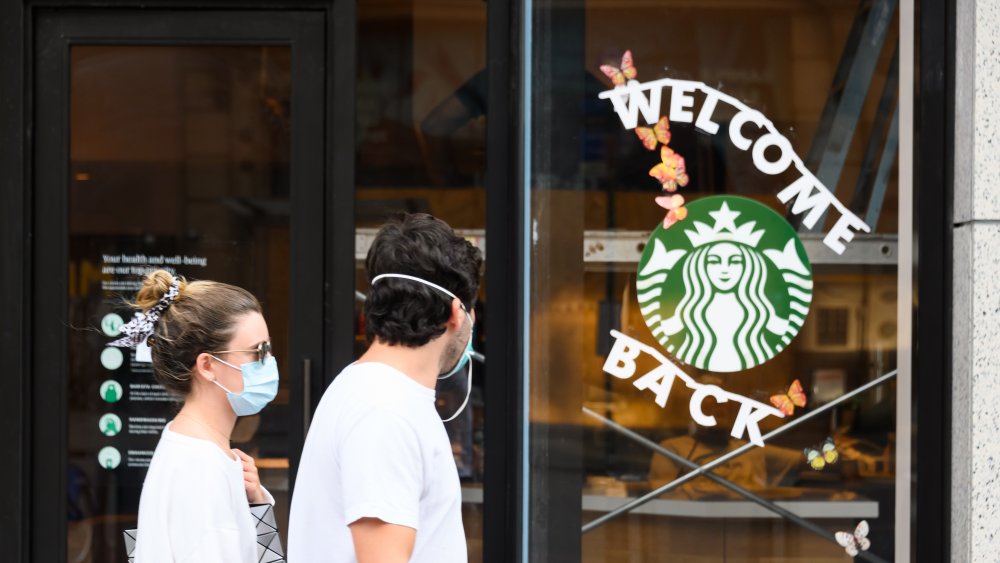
column 340, row 86
column 306, row 31
column 933, row 148
column 14, row 293
column 505, row 324
column 48, row 305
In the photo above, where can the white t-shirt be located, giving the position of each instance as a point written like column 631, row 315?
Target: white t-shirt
column 194, row 506
column 378, row 449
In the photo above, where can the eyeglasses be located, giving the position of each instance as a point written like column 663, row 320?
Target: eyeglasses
column 263, row 350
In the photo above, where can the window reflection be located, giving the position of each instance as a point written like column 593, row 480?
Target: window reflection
column 421, row 137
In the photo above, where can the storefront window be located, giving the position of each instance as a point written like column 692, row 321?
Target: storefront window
column 714, row 267
column 421, row 135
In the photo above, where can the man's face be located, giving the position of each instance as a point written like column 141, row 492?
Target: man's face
column 456, row 346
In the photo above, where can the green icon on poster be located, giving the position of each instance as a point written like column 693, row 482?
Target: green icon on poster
column 111, row 324
column 111, row 391
column 728, row 288
column 109, row 457
column 112, row 358
column 110, row 424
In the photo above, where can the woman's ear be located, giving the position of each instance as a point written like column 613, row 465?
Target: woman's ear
column 204, row 367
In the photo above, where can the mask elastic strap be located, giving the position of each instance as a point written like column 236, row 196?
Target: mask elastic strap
column 416, row 279
column 216, row 381
column 468, row 393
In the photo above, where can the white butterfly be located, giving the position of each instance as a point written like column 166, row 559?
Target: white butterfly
column 856, row 541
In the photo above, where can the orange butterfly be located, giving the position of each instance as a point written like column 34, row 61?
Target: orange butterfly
column 627, row 71
column 674, row 204
column 659, row 133
column 671, row 171
column 787, row 402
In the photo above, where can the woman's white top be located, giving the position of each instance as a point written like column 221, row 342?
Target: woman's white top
column 194, row 505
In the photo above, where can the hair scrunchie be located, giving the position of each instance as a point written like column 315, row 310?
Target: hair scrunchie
column 141, row 326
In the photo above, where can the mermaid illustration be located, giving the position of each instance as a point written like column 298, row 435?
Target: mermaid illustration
column 725, row 320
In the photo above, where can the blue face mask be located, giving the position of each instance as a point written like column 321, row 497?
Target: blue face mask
column 466, row 354
column 260, row 386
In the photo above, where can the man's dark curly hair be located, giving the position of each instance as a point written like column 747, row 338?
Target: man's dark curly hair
column 409, row 313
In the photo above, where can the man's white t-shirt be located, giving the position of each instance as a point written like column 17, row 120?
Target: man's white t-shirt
column 194, row 507
column 376, row 449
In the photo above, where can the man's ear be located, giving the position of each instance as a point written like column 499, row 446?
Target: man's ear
column 457, row 313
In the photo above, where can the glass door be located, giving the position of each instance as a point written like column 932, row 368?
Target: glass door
column 181, row 141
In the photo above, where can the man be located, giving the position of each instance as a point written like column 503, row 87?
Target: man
column 377, row 480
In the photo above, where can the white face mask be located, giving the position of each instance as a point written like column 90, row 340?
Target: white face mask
column 466, row 356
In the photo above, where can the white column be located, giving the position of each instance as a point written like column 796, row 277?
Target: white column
column 976, row 281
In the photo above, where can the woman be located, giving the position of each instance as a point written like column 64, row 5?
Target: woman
column 210, row 348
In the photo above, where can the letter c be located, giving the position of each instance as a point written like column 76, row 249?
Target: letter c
column 698, row 397
column 736, row 127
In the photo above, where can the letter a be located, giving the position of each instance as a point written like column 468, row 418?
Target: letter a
column 659, row 381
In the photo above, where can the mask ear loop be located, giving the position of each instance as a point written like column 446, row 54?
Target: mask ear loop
column 468, row 393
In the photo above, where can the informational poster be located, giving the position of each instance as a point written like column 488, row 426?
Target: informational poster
column 124, row 410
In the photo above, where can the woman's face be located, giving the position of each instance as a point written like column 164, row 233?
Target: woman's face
column 724, row 264
column 250, row 331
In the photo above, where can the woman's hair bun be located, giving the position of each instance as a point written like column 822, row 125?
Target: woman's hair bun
column 154, row 287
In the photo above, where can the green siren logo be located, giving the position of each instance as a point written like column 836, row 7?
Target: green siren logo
column 728, row 288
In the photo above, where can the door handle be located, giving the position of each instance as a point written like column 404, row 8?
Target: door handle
column 306, row 395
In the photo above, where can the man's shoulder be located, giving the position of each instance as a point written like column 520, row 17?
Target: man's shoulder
column 365, row 384
column 370, row 389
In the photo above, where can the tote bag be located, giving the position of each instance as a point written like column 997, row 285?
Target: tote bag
column 268, row 542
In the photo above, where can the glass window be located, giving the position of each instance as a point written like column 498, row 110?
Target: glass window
column 421, row 147
column 665, row 331
column 179, row 160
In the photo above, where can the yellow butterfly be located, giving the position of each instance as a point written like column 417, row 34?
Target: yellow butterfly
column 826, row 455
column 618, row 75
column 659, row 133
column 671, row 171
column 786, row 402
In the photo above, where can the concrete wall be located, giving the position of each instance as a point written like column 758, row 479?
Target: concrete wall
column 976, row 317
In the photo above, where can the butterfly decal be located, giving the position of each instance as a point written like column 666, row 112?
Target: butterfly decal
column 657, row 134
column 827, row 454
column 671, row 172
column 786, row 402
column 619, row 75
column 858, row 541
column 674, row 204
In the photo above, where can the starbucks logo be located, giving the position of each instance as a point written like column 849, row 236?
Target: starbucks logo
column 728, row 288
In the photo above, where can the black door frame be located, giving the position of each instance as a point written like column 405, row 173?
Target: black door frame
column 56, row 33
